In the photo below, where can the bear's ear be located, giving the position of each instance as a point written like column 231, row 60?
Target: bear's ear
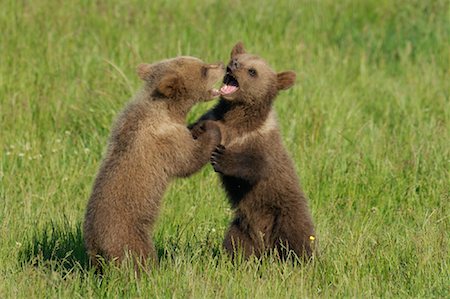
column 285, row 80
column 170, row 86
column 143, row 70
column 237, row 49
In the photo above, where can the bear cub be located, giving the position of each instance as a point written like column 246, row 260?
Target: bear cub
column 270, row 210
column 149, row 145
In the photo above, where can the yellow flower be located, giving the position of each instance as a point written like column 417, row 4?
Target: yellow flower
column 312, row 238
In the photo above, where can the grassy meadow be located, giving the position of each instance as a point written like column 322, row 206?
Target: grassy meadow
column 367, row 125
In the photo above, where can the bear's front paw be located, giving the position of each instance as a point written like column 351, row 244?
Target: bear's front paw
column 207, row 130
column 217, row 158
column 198, row 129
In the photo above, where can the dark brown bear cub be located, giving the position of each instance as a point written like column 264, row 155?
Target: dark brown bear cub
column 271, row 211
column 149, row 145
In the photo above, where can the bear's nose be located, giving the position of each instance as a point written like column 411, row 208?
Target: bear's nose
column 234, row 64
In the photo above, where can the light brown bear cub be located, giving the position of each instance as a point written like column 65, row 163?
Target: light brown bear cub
column 149, row 145
column 271, row 211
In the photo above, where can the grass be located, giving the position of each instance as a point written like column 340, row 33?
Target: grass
column 367, row 125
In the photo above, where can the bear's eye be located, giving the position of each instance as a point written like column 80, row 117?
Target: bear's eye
column 252, row 72
column 204, row 71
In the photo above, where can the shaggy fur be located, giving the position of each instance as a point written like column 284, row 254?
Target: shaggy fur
column 149, row 145
column 271, row 211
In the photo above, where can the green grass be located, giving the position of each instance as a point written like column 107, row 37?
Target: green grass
column 367, row 125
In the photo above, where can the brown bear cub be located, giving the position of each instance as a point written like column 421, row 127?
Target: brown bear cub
column 271, row 211
column 149, row 145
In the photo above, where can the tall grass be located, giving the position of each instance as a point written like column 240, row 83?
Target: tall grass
column 367, row 125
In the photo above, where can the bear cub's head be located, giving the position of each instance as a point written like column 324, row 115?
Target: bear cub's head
column 250, row 79
column 182, row 78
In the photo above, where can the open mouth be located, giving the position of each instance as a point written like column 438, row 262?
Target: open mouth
column 230, row 84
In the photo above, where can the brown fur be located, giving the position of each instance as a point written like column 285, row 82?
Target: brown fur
column 149, row 145
column 271, row 211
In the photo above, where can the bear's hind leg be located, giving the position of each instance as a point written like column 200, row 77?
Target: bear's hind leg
column 143, row 252
column 237, row 241
column 296, row 236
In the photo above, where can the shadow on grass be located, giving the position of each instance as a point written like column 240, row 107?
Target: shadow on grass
column 55, row 245
column 59, row 246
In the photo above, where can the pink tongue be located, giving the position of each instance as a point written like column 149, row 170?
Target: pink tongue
column 227, row 89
